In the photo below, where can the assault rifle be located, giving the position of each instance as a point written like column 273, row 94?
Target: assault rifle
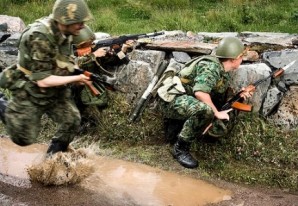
column 236, row 101
column 115, row 43
column 104, row 80
column 144, row 100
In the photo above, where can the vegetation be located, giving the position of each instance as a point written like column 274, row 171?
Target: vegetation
column 256, row 152
column 139, row 16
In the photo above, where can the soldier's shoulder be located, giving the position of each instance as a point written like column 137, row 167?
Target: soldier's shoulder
column 207, row 63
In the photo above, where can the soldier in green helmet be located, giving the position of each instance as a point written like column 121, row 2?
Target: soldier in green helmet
column 199, row 90
column 45, row 66
column 98, row 63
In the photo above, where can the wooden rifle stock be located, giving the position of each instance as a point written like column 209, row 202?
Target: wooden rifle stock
column 94, row 78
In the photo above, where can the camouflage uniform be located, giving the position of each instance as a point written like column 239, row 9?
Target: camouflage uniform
column 209, row 77
column 43, row 51
column 82, row 94
column 87, row 61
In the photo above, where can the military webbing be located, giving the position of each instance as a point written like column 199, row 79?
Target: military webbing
column 25, row 71
column 189, row 66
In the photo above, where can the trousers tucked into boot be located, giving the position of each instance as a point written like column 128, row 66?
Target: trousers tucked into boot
column 182, row 154
column 56, row 146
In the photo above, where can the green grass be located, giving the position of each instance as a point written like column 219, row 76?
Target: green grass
column 255, row 153
column 139, row 16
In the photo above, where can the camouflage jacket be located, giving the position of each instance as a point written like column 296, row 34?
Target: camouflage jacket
column 44, row 51
column 208, row 76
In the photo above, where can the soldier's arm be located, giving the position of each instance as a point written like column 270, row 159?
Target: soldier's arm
column 43, row 64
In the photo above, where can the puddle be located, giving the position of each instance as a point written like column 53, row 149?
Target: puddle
column 152, row 186
column 116, row 179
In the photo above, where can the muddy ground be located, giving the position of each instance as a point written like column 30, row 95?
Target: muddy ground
column 131, row 188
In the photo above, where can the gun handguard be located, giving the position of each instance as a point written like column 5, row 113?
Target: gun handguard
column 95, row 78
column 241, row 107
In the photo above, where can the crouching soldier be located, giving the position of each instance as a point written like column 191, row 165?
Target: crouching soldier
column 98, row 62
column 193, row 94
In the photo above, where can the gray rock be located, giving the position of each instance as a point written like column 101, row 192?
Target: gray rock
column 15, row 24
column 286, row 116
column 249, row 74
column 279, row 59
column 272, row 99
column 181, row 57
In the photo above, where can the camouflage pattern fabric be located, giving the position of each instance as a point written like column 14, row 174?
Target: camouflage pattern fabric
column 44, row 52
column 207, row 76
column 88, row 63
column 23, row 119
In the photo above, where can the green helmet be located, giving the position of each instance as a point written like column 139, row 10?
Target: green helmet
column 229, row 47
column 86, row 35
column 68, row 12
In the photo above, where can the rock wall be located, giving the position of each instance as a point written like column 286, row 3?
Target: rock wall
column 275, row 98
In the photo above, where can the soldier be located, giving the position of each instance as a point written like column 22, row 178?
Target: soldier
column 46, row 64
column 198, row 89
column 95, row 62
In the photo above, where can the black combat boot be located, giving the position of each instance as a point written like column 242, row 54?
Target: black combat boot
column 56, row 146
column 181, row 153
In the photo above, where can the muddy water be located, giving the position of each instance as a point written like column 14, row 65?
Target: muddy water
column 114, row 182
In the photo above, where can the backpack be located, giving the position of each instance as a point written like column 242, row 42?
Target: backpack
column 11, row 78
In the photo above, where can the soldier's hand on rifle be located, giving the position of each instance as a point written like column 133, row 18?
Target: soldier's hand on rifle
column 127, row 45
column 101, row 52
column 223, row 114
column 247, row 92
column 83, row 79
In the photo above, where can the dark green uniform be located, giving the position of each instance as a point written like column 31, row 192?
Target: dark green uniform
column 43, row 51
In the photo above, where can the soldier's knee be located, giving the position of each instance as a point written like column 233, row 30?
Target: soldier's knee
column 21, row 141
column 206, row 112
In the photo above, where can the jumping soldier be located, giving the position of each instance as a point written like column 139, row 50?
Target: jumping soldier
column 46, row 65
column 193, row 96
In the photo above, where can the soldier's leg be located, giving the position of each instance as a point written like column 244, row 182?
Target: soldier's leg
column 197, row 116
column 68, row 118
column 23, row 122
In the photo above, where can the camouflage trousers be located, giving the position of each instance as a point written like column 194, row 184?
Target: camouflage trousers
column 197, row 115
column 23, row 120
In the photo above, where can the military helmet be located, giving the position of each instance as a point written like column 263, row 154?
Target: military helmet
column 229, row 47
column 86, row 35
column 68, row 12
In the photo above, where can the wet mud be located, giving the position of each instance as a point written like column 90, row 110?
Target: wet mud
column 106, row 182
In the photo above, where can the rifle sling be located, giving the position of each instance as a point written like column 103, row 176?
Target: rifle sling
column 25, row 71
